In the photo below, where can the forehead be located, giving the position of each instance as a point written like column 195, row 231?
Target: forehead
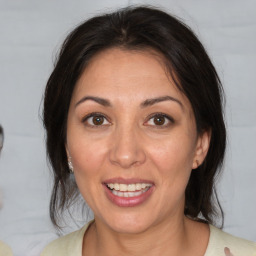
column 150, row 62
column 127, row 74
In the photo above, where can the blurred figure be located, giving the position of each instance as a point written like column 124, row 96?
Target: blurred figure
column 1, row 146
column 4, row 249
column 1, row 138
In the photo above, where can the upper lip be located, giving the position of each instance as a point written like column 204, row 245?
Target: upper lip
column 127, row 181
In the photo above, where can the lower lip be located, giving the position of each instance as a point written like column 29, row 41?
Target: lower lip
column 128, row 201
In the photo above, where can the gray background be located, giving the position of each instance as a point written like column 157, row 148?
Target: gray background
column 30, row 34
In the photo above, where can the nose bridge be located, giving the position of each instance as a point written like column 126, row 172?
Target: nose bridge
column 127, row 149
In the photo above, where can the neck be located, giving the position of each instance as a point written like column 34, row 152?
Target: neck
column 166, row 238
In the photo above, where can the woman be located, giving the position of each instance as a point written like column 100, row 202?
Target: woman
column 133, row 109
column 4, row 249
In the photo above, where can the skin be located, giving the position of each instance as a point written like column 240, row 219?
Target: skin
column 131, row 144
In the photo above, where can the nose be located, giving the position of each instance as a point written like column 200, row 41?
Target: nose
column 127, row 148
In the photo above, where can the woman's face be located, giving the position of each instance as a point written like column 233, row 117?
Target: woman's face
column 132, row 138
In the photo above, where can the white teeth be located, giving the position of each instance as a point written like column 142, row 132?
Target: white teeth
column 128, row 187
column 138, row 186
column 111, row 186
column 129, row 194
column 132, row 187
column 123, row 187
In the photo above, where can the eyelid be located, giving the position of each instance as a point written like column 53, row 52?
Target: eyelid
column 153, row 115
column 85, row 118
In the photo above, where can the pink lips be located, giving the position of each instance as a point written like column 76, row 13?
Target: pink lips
column 127, row 201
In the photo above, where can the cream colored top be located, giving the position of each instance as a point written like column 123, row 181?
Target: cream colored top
column 5, row 250
column 71, row 245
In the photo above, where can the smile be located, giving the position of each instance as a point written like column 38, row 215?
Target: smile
column 128, row 190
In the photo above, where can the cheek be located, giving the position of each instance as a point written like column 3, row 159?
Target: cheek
column 87, row 155
column 173, row 154
column 173, row 162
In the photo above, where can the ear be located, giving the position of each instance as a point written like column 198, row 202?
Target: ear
column 203, row 144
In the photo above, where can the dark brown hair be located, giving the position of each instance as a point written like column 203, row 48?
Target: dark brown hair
column 139, row 28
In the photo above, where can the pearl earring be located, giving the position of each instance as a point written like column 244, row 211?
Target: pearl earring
column 70, row 165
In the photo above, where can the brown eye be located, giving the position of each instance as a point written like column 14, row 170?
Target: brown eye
column 159, row 120
column 95, row 119
column 98, row 120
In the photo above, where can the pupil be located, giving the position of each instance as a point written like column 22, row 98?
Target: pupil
column 159, row 120
column 98, row 120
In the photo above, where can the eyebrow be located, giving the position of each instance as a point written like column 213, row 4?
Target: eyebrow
column 144, row 104
column 150, row 102
column 101, row 101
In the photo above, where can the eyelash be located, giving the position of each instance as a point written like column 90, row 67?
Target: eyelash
column 154, row 115
column 94, row 114
column 159, row 114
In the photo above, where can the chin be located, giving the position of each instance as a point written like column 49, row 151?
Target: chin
column 130, row 229
column 129, row 224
